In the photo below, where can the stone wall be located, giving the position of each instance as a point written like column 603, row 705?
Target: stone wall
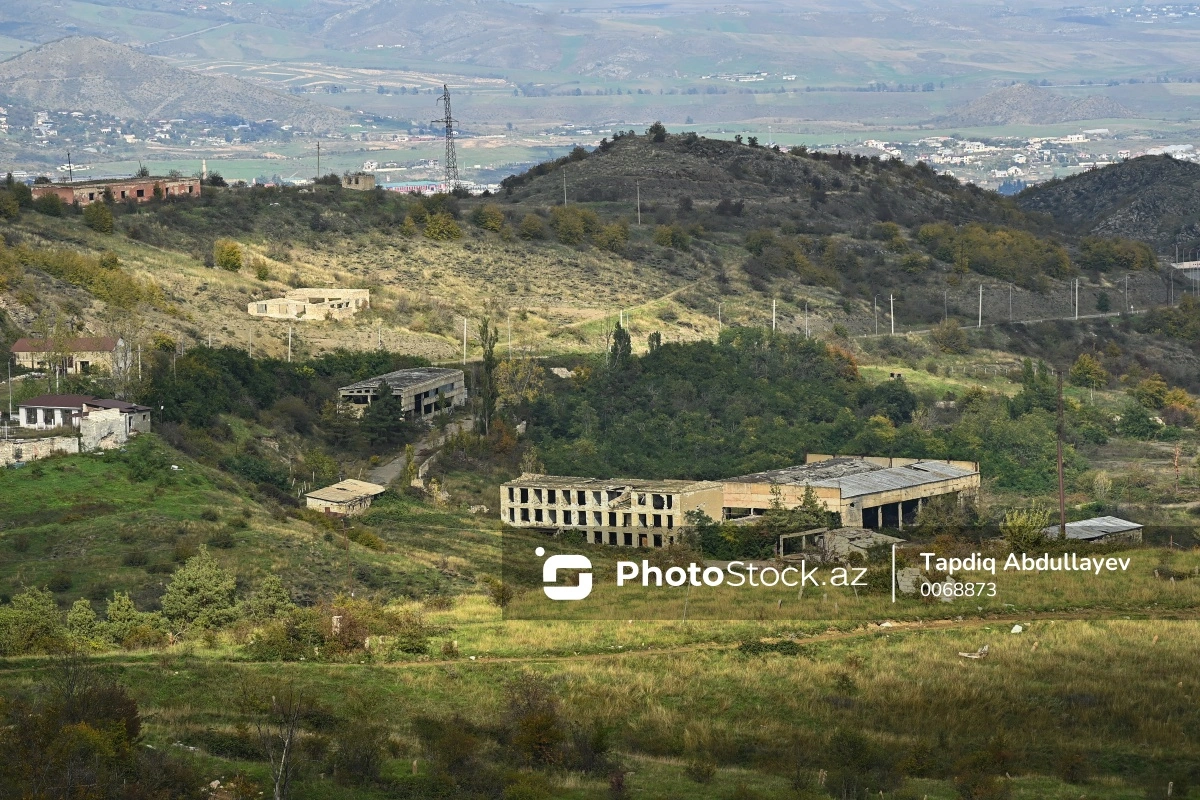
column 31, row 449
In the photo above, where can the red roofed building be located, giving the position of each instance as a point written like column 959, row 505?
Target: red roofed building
column 78, row 356
column 66, row 410
column 139, row 190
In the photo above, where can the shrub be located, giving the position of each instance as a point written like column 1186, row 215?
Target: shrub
column 200, row 593
column 135, row 558
column 531, row 227
column 949, row 337
column 49, row 204
column 657, row 132
column 227, row 255
column 262, row 270
column 671, row 236
column 701, row 770
column 441, row 227
column 490, row 217
column 98, row 217
column 222, row 539
column 59, row 582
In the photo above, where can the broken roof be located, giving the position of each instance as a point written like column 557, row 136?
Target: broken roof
column 1094, row 528
column 404, row 378
column 97, row 344
column 347, row 491
column 535, row 481
column 857, row 476
column 78, row 401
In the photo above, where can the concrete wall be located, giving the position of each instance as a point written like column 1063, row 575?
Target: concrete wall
column 32, row 449
column 343, row 509
column 104, row 429
column 140, row 190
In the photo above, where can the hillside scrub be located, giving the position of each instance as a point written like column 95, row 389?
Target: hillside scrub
column 102, row 277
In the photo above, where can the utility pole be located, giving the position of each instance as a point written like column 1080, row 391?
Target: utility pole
column 875, row 309
column 720, row 323
column 252, row 342
column 805, row 319
column 1010, row 288
column 318, row 158
column 70, row 169
column 289, row 343
column 1062, row 496
column 139, row 362
column 945, row 305
column 510, row 334
column 564, row 185
column 1077, row 298
column 772, row 314
column 464, row 341
column 1126, row 294
column 639, row 202
column 892, row 312
column 979, row 324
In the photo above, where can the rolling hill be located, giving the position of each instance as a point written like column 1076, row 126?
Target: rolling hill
column 95, row 76
column 1023, row 104
column 1152, row 198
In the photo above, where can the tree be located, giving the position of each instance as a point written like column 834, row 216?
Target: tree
column 1023, row 528
column 98, row 217
column 227, row 255
column 275, row 710
column 949, row 337
column 654, row 341
column 383, row 421
column 1103, row 303
column 488, row 390
column 1151, row 392
column 621, row 352
column 200, row 593
column 271, row 599
column 657, row 132
column 10, row 208
column 1087, row 372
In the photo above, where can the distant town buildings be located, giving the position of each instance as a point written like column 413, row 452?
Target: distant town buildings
column 312, row 304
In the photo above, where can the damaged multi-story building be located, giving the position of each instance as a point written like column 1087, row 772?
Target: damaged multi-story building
column 865, row 491
column 422, row 391
column 622, row 512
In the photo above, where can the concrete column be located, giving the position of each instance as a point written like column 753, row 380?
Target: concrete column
column 900, row 515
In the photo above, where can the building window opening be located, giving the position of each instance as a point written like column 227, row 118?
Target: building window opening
column 659, row 501
column 524, row 515
column 658, row 520
column 629, row 540
column 612, row 537
column 551, row 496
column 512, row 515
column 537, row 515
column 642, row 520
column 658, row 540
column 524, row 495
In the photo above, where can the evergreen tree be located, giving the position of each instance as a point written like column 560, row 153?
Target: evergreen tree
column 488, row 336
column 200, row 593
column 621, row 352
column 383, row 421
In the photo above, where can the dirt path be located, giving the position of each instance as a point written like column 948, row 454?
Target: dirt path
column 425, row 449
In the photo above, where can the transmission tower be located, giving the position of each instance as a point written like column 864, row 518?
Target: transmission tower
column 452, row 181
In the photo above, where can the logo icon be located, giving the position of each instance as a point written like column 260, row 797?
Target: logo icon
column 550, row 576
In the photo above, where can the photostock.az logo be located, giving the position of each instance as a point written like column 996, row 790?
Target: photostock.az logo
column 550, row 576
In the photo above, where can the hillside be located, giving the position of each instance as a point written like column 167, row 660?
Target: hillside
column 1152, row 198
column 1024, row 104
column 95, row 76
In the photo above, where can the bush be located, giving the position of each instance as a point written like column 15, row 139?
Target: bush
column 200, row 593
column 227, row 255
column 98, row 217
column 441, row 227
column 222, row 539
column 135, row 558
column 531, row 227
column 49, row 204
column 950, row 337
column 262, row 270
column 490, row 217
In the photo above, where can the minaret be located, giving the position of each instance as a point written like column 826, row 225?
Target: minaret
column 204, row 169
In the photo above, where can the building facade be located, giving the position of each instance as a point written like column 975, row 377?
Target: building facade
column 69, row 410
column 867, row 492
column 620, row 512
column 140, row 190
column 423, row 391
column 77, row 356
column 312, row 304
column 359, row 181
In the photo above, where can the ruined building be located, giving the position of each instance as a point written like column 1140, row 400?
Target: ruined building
column 423, row 391
column 312, row 304
column 626, row 513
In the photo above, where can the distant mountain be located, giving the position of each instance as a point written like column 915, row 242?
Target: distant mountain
column 1151, row 198
column 1023, row 104
column 92, row 75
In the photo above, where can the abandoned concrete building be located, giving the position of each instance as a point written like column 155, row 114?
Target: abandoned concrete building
column 626, row 513
column 423, row 391
column 359, row 181
column 139, row 190
column 867, row 492
column 344, row 499
column 312, row 304
column 76, row 356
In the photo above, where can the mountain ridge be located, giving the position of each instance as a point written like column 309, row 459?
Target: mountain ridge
column 91, row 75
column 1024, row 104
